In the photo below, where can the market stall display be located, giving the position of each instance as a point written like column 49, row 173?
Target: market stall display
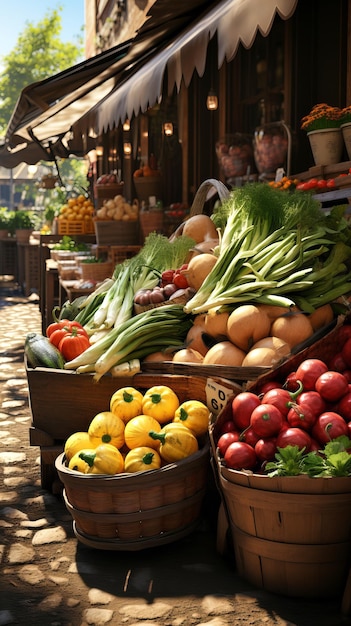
column 256, row 284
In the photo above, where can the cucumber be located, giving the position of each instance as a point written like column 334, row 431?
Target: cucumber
column 41, row 353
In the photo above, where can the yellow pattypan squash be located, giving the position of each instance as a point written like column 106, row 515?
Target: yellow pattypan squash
column 194, row 415
column 78, row 464
column 106, row 427
column 76, row 442
column 176, row 442
column 136, row 432
column 126, row 403
column 142, row 459
column 105, row 459
column 160, row 402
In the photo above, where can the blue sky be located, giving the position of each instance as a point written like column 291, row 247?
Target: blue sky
column 15, row 15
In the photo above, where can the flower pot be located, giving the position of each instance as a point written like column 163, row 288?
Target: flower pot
column 346, row 133
column 23, row 235
column 326, row 145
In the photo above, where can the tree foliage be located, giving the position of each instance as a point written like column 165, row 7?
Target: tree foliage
column 38, row 54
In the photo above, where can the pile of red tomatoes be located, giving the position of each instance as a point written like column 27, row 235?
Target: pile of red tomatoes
column 311, row 407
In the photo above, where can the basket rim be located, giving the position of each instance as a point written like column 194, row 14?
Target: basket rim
column 136, row 544
column 145, row 477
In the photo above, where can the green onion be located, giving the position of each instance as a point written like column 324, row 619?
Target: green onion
column 274, row 243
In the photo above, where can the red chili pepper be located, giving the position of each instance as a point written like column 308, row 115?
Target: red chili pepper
column 73, row 344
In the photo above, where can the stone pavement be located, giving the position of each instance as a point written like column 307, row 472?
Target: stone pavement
column 48, row 578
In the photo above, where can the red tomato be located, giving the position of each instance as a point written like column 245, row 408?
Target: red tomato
column 344, row 333
column 240, row 455
column 266, row 448
column 331, row 183
column 60, row 334
column 243, row 405
column 270, row 384
column 294, row 437
column 343, row 407
column 301, row 417
column 346, row 352
column 329, row 425
column 291, row 383
column 347, row 374
column 321, row 183
column 281, row 398
column 337, row 363
column 313, row 400
column 227, row 427
column 226, row 439
column 332, row 386
column 73, row 344
column 249, row 436
column 180, row 281
column 266, row 420
column 63, row 325
column 308, row 371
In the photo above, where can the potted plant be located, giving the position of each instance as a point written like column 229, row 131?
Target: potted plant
column 323, row 127
column 22, row 224
column 346, row 128
column 4, row 223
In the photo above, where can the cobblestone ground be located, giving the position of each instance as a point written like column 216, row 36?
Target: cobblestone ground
column 48, row 577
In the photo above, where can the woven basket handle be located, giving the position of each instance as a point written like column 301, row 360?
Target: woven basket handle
column 202, row 194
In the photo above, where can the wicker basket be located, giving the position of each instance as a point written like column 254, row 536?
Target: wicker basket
column 116, row 232
column 136, row 511
column 96, row 271
column 148, row 186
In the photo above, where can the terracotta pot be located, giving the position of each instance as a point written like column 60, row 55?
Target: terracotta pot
column 326, row 145
column 346, row 133
column 23, row 235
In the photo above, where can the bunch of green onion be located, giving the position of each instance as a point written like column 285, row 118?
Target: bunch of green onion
column 277, row 248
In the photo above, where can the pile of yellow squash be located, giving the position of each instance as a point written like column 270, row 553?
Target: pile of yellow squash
column 139, row 432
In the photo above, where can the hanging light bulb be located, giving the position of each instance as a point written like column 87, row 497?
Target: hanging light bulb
column 212, row 100
column 168, row 129
column 127, row 147
column 99, row 151
column 126, row 125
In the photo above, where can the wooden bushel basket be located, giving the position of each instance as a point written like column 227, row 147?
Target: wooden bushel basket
column 283, row 529
column 136, row 511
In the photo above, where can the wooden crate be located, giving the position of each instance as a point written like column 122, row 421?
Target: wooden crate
column 75, row 227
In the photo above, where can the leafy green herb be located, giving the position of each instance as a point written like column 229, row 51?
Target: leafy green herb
column 289, row 462
column 333, row 460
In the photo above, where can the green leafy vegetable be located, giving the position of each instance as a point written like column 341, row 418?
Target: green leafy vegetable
column 275, row 248
column 333, row 460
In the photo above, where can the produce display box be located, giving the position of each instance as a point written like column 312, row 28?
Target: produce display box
column 116, row 232
column 74, row 399
column 75, row 227
column 282, row 529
